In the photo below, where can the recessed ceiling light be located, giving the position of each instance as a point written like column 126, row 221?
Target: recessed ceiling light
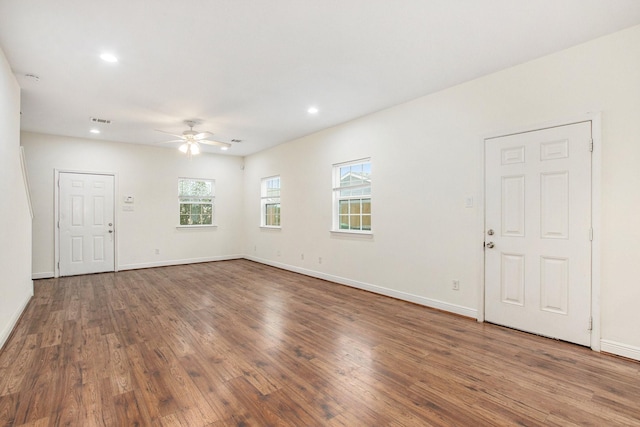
column 108, row 57
column 224, row 148
column 313, row 110
column 94, row 131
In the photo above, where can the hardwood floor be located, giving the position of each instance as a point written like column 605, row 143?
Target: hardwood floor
column 236, row 343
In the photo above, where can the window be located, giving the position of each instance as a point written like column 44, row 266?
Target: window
column 196, row 201
column 352, row 196
column 270, row 202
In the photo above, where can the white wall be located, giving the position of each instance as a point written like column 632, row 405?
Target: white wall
column 16, row 287
column 427, row 158
column 150, row 175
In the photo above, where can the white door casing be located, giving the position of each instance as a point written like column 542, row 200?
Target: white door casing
column 538, row 204
column 86, row 223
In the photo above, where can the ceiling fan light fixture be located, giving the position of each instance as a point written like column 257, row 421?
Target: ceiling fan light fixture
column 192, row 139
column 190, row 148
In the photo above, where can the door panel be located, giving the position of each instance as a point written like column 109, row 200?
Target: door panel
column 538, row 204
column 512, row 278
column 513, row 206
column 86, row 214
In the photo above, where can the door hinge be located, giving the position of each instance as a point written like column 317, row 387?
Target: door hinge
column 591, row 323
column 591, row 234
column 58, row 265
column 591, row 145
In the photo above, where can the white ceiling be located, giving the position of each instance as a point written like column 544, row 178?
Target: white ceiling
column 249, row 69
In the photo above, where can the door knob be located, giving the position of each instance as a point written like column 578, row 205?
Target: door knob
column 490, row 232
column 490, row 245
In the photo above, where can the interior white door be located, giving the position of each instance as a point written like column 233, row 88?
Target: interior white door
column 86, row 221
column 538, row 232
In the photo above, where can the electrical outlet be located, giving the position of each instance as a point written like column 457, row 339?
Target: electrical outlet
column 456, row 285
column 279, row 253
column 302, row 257
column 157, row 251
column 319, row 260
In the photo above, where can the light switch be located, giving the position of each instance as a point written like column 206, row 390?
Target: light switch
column 468, row 202
column 128, row 199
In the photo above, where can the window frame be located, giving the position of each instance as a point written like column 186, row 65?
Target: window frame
column 265, row 198
column 192, row 200
column 338, row 198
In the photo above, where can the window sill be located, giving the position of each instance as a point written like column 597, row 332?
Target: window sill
column 353, row 232
column 271, row 227
column 196, row 226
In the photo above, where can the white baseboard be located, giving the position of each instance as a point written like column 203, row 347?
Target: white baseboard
column 620, row 349
column 43, row 275
column 440, row 305
column 4, row 335
column 168, row 263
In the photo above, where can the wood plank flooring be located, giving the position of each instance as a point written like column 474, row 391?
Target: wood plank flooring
column 236, row 343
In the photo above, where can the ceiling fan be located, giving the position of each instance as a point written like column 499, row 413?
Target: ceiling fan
column 192, row 139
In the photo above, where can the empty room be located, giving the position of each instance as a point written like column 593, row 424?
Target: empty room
column 320, row 213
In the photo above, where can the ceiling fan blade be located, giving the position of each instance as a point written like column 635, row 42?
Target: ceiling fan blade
column 202, row 135
column 217, row 143
column 169, row 133
column 173, row 140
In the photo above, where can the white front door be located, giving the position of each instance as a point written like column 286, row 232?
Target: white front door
column 86, row 221
column 538, row 232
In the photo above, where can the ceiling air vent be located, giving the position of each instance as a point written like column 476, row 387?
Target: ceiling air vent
column 32, row 78
column 236, row 140
column 96, row 120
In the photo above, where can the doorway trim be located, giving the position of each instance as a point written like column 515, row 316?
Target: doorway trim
column 596, row 212
column 56, row 216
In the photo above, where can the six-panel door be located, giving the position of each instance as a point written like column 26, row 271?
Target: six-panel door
column 86, row 215
column 538, row 206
